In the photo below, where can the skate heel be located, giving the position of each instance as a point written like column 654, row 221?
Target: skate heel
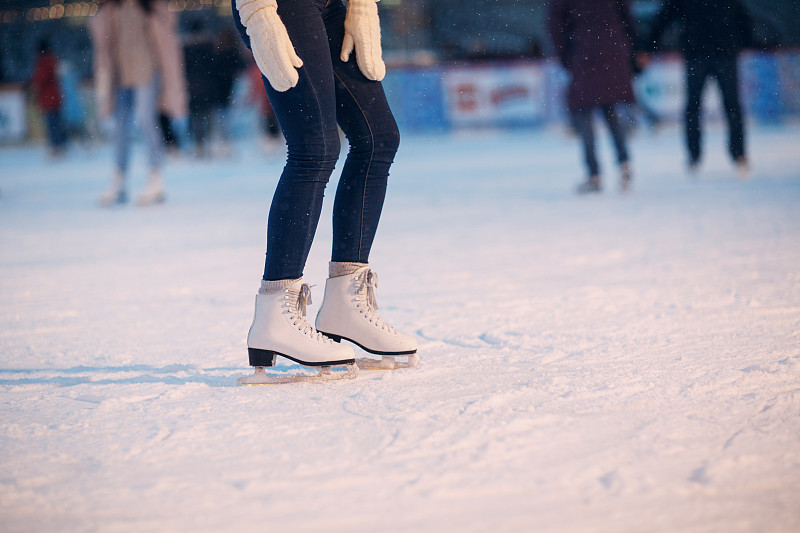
column 331, row 336
column 260, row 357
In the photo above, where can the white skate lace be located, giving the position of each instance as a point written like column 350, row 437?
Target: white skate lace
column 367, row 301
column 296, row 304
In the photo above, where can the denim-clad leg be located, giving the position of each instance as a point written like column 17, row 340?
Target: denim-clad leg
column 307, row 116
column 726, row 72
column 617, row 133
column 123, row 114
column 55, row 130
column 328, row 90
column 696, row 74
column 582, row 120
column 364, row 115
column 146, row 99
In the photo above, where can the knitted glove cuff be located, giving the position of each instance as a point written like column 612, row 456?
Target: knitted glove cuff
column 359, row 7
column 248, row 8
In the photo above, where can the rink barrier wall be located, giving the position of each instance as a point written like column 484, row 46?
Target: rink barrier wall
column 507, row 94
column 530, row 93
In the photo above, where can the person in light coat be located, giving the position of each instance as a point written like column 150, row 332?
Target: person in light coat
column 132, row 55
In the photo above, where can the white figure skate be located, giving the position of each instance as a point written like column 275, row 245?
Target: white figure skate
column 280, row 329
column 116, row 194
column 349, row 311
column 154, row 192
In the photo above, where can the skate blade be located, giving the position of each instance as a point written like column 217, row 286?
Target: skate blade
column 325, row 373
column 389, row 362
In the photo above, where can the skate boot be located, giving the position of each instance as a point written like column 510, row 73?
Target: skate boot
column 350, row 312
column 693, row 168
column 154, row 192
column 591, row 185
column 742, row 168
column 625, row 176
column 280, row 329
column 116, row 194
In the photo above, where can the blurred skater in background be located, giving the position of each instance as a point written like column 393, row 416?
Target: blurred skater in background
column 73, row 110
column 200, row 70
column 594, row 40
column 173, row 106
column 713, row 34
column 47, row 89
column 227, row 65
column 126, row 79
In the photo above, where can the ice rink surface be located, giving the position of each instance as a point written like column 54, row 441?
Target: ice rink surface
column 622, row 363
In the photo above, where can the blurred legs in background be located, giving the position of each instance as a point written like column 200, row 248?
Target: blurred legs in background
column 141, row 101
column 56, row 135
column 725, row 69
column 583, row 122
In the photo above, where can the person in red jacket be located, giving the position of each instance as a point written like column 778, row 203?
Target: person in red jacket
column 48, row 96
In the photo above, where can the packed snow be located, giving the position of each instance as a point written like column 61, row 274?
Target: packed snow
column 618, row 362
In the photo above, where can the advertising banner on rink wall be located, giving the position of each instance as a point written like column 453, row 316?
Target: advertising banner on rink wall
column 13, row 126
column 513, row 95
column 789, row 74
column 531, row 93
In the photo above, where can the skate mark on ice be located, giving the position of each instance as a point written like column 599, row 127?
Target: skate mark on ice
column 531, row 344
column 732, row 438
column 464, row 341
column 787, row 365
column 67, row 377
column 158, row 435
column 421, row 334
column 700, row 475
column 610, row 480
column 490, row 338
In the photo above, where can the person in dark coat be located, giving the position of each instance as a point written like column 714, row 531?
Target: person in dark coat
column 713, row 34
column 199, row 56
column 47, row 88
column 594, row 41
column 228, row 63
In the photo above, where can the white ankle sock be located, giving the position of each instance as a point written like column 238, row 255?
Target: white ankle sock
column 271, row 287
column 343, row 269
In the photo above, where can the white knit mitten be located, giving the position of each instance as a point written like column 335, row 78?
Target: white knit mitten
column 271, row 46
column 362, row 31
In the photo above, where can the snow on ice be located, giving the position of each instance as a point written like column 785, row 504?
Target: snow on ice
column 611, row 363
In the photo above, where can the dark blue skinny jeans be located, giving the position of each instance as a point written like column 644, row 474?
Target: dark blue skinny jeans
column 584, row 124
column 329, row 92
column 725, row 69
column 55, row 129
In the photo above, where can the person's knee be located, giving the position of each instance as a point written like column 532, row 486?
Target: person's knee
column 389, row 140
column 320, row 152
column 382, row 143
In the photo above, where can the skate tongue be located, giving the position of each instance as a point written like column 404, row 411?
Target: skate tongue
column 304, row 298
column 372, row 288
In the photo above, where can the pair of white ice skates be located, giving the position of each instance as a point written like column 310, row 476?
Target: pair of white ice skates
column 153, row 194
column 348, row 312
